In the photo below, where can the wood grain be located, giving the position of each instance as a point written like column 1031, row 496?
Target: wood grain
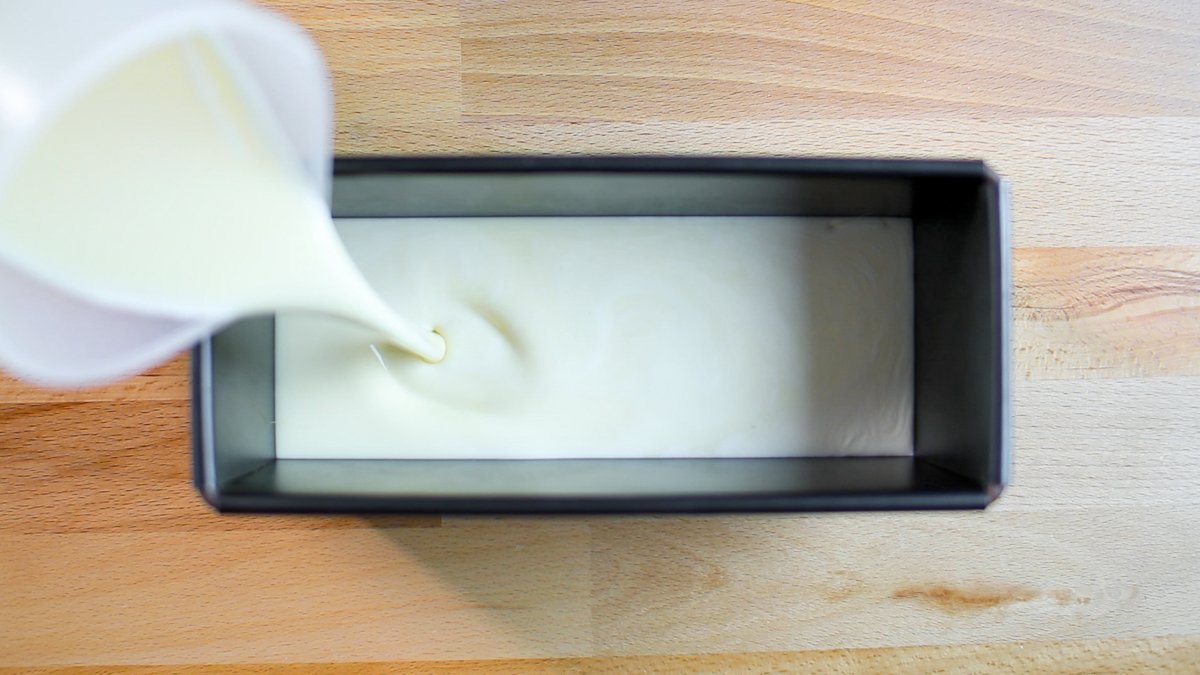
column 168, row 382
column 109, row 561
column 520, row 588
column 1107, row 312
column 1155, row 655
column 762, row 59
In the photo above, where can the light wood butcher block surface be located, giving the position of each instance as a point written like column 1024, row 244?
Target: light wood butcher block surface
column 1089, row 562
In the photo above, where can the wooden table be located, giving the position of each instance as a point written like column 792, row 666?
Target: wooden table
column 1091, row 558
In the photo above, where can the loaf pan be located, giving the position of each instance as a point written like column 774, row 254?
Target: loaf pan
column 961, row 440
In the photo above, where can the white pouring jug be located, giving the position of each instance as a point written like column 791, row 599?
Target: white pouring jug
column 53, row 50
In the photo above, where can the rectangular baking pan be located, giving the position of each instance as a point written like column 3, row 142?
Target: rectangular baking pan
column 961, row 337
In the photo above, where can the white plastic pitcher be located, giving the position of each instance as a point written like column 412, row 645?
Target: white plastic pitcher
column 53, row 50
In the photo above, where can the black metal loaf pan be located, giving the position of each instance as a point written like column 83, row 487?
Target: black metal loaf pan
column 961, row 267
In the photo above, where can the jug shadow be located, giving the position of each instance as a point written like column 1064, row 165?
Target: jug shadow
column 596, row 585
